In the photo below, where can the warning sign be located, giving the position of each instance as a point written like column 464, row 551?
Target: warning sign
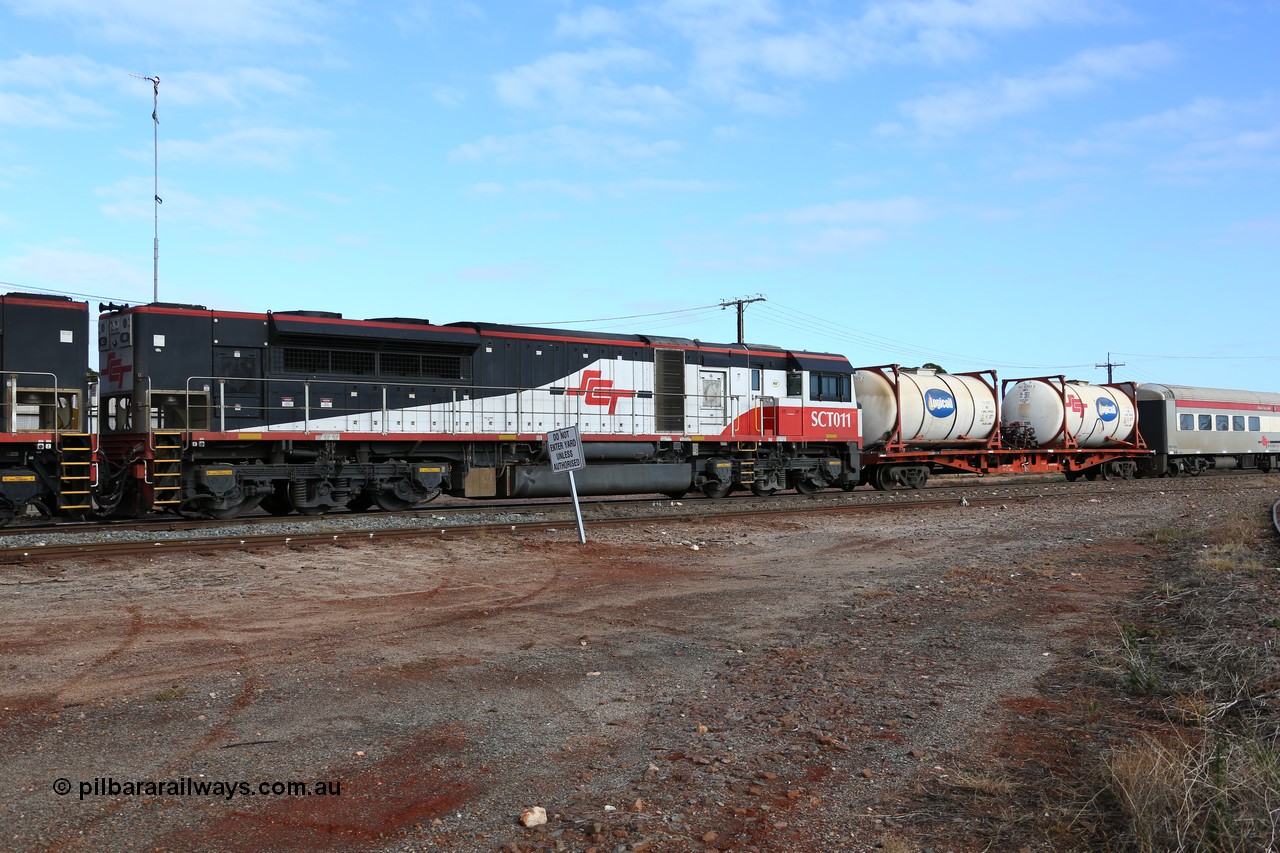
column 565, row 449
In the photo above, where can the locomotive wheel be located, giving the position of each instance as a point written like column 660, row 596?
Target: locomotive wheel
column 277, row 503
column 761, row 491
column 676, row 495
column 806, row 486
column 389, row 501
column 715, row 489
column 311, row 510
column 362, row 502
column 232, row 511
column 1091, row 474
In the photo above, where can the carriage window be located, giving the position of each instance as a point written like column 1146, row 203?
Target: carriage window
column 1255, row 425
column 1186, row 421
column 1206, row 421
column 1222, row 423
column 1237, row 423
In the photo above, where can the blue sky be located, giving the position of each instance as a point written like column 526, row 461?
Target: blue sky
column 1024, row 186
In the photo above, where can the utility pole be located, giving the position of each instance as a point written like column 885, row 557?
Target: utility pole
column 1110, row 365
column 155, row 117
column 742, row 304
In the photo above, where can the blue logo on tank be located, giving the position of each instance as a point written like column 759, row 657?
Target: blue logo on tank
column 940, row 404
column 1108, row 410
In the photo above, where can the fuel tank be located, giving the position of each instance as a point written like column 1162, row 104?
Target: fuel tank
column 1092, row 415
column 936, row 408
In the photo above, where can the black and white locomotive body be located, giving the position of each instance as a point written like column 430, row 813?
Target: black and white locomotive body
column 46, row 448
column 219, row 412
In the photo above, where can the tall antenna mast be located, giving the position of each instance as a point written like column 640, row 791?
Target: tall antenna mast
column 155, row 117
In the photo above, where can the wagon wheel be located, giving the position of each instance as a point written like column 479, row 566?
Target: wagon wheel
column 883, row 478
column 762, row 491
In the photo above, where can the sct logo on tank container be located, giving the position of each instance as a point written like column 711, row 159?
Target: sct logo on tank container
column 1107, row 410
column 938, row 403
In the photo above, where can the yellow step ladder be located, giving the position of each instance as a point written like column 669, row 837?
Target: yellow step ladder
column 166, row 469
column 747, row 466
column 75, row 471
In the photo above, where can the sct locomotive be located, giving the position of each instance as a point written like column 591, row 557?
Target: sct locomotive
column 216, row 413
column 46, row 450
column 305, row 411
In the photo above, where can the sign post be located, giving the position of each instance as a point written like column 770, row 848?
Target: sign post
column 565, row 449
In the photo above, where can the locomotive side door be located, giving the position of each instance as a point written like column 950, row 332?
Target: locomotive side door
column 239, row 384
column 713, row 387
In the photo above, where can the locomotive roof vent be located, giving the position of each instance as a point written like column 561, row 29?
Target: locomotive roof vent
column 327, row 315
column 185, row 305
column 411, row 321
column 48, row 296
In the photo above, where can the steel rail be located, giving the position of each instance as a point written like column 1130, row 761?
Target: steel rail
column 166, row 547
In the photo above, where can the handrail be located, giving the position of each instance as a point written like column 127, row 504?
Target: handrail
column 465, row 409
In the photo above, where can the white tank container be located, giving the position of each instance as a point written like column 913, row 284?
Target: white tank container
column 936, row 407
column 1095, row 415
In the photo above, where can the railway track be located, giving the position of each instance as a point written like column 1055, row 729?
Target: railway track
column 167, row 536
column 156, row 547
column 601, row 507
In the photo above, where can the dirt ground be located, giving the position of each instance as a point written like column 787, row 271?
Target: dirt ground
column 910, row 681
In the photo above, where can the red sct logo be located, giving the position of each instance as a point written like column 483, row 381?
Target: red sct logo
column 598, row 392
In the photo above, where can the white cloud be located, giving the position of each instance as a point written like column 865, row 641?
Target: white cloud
column 563, row 142
column 51, row 72
column 1254, row 150
column 446, row 95
column 47, row 101
column 171, row 24
column 130, row 199
column 235, row 86
column 965, row 108
column 1187, row 142
column 501, row 272
column 830, row 240
column 591, row 22
column 272, row 147
column 66, row 267
column 891, row 211
column 57, row 110
column 580, row 85
column 848, row 226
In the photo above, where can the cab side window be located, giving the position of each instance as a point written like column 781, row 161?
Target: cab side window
column 830, row 387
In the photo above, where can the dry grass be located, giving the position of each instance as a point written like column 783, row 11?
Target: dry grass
column 898, row 844
column 1230, row 557
column 1220, row 794
column 981, row 784
column 1210, row 780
